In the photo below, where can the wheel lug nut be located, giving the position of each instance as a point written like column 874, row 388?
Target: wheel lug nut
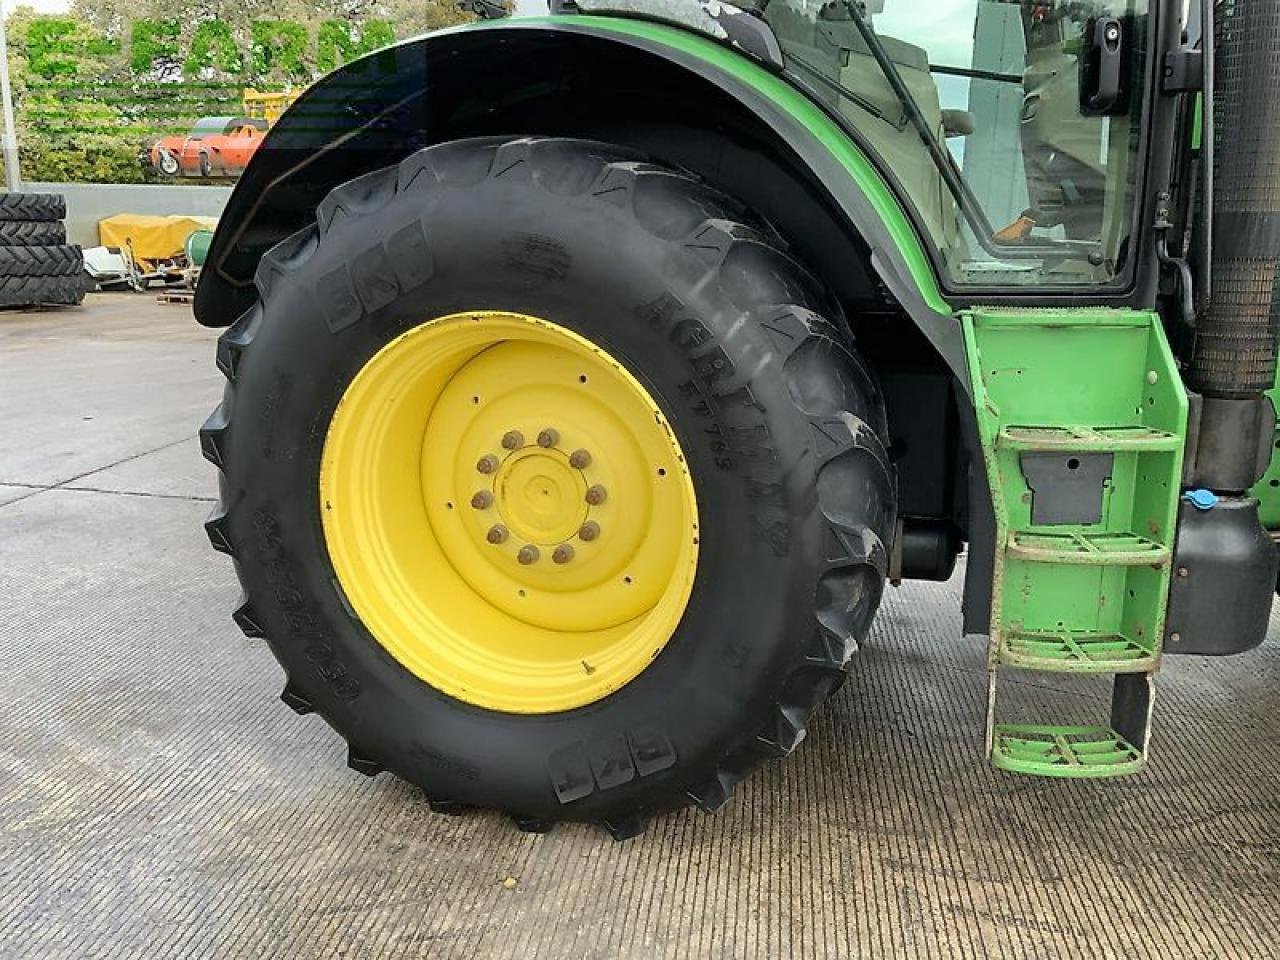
column 487, row 464
column 528, row 554
column 589, row 531
column 579, row 459
column 497, row 534
column 549, row 437
column 483, row 500
column 512, row 440
column 562, row 553
column 596, row 495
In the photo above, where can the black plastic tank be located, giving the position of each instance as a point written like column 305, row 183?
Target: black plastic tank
column 1224, row 577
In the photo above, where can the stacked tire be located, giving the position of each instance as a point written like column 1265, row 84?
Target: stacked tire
column 37, row 265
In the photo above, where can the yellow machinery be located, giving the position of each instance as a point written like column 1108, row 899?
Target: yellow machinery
column 268, row 105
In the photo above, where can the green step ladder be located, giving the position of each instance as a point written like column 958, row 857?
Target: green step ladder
column 1082, row 418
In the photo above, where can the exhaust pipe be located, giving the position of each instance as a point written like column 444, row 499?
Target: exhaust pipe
column 1234, row 359
column 1225, row 560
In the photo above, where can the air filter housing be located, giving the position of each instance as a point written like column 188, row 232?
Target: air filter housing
column 1235, row 353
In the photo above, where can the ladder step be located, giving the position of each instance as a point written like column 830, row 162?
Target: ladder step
column 1134, row 439
column 1051, row 751
column 1083, row 429
column 1076, row 651
column 1099, row 549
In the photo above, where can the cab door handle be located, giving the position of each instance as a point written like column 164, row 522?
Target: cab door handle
column 1100, row 83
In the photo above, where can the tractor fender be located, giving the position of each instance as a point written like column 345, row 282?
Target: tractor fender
column 375, row 110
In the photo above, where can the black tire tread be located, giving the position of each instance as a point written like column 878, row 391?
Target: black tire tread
column 797, row 309
column 41, row 291
column 49, row 260
column 32, row 233
column 37, row 207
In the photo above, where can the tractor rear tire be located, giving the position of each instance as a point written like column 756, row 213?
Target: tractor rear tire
column 37, row 207
column 637, row 269
column 32, row 233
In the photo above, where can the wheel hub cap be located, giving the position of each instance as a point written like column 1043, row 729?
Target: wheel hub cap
column 541, row 497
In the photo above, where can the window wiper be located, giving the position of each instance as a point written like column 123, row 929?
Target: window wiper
column 969, row 207
column 974, row 74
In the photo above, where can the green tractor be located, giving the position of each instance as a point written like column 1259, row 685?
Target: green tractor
column 589, row 375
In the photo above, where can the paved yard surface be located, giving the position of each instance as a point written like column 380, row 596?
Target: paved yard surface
column 156, row 800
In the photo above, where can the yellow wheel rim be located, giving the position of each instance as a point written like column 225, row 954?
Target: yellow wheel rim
column 508, row 512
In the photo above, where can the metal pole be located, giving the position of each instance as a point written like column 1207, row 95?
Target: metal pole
column 11, row 177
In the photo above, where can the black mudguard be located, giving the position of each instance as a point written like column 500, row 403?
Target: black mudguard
column 383, row 107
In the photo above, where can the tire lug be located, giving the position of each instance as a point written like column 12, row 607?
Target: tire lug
column 596, row 495
column 589, row 531
column 528, row 554
column 497, row 534
column 549, row 437
column 562, row 553
column 482, row 500
column 512, row 440
column 487, row 464
column 579, row 459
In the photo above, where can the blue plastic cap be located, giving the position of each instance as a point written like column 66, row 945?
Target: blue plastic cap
column 1201, row 499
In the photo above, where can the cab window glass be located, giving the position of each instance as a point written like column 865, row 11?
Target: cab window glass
column 1035, row 107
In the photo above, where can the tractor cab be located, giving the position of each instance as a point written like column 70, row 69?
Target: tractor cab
column 1009, row 125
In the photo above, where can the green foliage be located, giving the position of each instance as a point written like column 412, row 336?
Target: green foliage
column 213, row 51
column 95, row 88
column 54, row 42
column 154, row 46
column 277, row 54
column 337, row 42
column 66, row 130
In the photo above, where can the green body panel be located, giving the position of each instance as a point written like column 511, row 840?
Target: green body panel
column 862, row 172
column 1267, row 490
column 1080, row 597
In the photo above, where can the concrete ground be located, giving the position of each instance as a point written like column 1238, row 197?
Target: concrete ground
column 157, row 800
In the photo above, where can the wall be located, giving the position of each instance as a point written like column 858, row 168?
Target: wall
column 87, row 203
